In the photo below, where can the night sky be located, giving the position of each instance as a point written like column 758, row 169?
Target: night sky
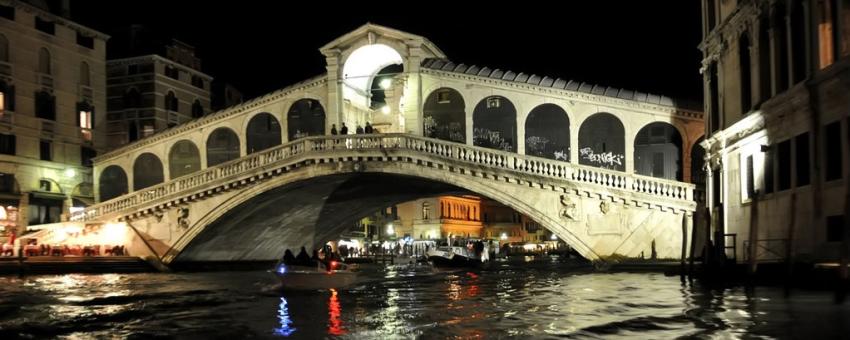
column 261, row 46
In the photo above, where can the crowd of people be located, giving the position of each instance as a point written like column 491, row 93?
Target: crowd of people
column 369, row 129
column 325, row 255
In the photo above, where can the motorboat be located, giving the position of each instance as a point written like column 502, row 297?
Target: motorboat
column 299, row 277
column 453, row 256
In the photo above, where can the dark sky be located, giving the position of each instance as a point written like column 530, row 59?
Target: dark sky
column 260, row 46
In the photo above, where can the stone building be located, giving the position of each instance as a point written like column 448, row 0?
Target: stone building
column 776, row 87
column 52, row 81
column 153, row 84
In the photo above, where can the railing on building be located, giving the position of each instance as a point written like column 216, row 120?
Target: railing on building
column 470, row 155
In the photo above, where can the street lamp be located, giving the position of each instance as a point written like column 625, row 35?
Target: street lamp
column 390, row 229
column 386, row 83
column 70, row 173
column 386, row 109
column 553, row 237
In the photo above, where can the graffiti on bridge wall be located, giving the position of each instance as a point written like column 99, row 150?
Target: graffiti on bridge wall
column 604, row 160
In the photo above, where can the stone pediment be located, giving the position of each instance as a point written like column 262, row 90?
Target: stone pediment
column 376, row 34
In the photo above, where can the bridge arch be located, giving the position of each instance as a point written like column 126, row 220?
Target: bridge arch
column 262, row 132
column 147, row 171
column 183, row 159
column 444, row 115
column 222, row 146
column 602, row 142
column 306, row 117
column 547, row 132
column 112, row 183
column 658, row 151
column 205, row 229
column 360, row 67
column 494, row 124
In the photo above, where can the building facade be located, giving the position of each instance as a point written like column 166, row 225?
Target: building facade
column 52, row 81
column 776, row 81
column 153, row 91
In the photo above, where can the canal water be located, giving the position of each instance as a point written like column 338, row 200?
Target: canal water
column 516, row 300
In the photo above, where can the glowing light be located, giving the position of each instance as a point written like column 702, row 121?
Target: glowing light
column 334, row 313
column 553, row 237
column 114, row 233
column 386, row 83
column 285, row 328
column 504, row 236
column 386, row 109
column 70, row 173
column 281, row 269
column 390, row 229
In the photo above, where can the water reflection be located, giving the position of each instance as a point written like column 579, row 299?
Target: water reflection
column 285, row 328
column 334, row 312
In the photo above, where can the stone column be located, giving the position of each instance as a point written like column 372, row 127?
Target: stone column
column 335, row 99
column 413, row 101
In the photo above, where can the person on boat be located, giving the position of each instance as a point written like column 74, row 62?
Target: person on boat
column 288, row 258
column 302, row 259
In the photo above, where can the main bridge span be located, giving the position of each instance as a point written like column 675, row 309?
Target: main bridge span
column 603, row 168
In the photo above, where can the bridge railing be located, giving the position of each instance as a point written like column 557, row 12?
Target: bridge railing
column 486, row 158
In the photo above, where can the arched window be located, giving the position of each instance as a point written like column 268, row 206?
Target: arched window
column 85, row 76
column 147, row 171
column 44, row 61
column 4, row 49
column 171, row 102
column 426, row 211
column 602, row 142
column 222, row 146
column 197, row 109
column 444, row 116
column 494, row 124
column 183, row 159
column 547, row 133
column 306, row 117
column 113, row 182
column 263, row 132
column 658, row 151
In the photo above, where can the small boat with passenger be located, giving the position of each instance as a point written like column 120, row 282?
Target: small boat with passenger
column 302, row 272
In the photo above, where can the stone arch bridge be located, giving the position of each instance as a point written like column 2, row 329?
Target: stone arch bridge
column 602, row 168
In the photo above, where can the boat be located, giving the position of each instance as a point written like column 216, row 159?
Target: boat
column 300, row 277
column 453, row 256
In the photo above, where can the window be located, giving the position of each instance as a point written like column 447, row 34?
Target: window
column 746, row 74
column 197, row 82
column 751, row 188
column 443, row 97
column 85, row 75
column 132, row 131
column 835, row 228
column 493, row 103
column 197, row 109
column 7, row 12
column 803, row 162
column 172, row 72
column 658, row 164
column 826, row 33
column 7, row 98
column 7, row 183
column 85, row 116
column 4, row 48
column 86, row 155
column 85, row 41
column 45, row 105
column 148, row 127
column 45, row 26
column 44, row 61
column 132, row 98
column 426, row 211
column 784, row 165
column 171, row 102
column 45, row 150
column 7, row 144
column 768, row 170
column 832, row 146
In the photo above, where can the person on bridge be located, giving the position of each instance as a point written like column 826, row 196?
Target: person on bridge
column 358, row 130
column 369, row 128
column 343, row 130
column 333, row 129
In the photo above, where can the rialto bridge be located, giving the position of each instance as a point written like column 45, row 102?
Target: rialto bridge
column 605, row 169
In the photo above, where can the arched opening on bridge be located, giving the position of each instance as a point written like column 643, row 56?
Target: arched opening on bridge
column 494, row 124
column 183, row 159
column 382, row 82
column 360, row 69
column 222, row 146
column 147, row 171
column 602, row 142
column 658, row 151
column 547, row 133
column 306, row 117
column 444, row 115
column 263, row 132
column 112, row 182
column 320, row 209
